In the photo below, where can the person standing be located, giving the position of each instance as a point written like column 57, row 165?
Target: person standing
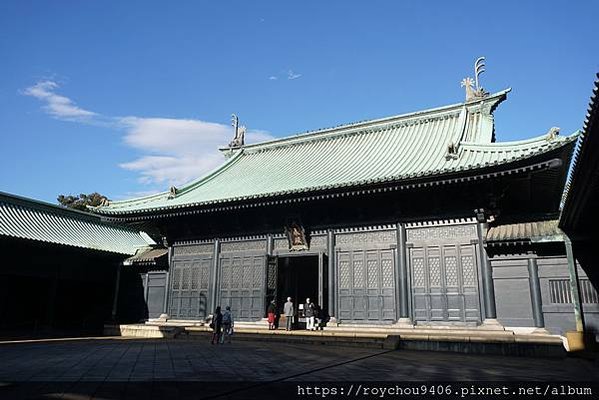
column 216, row 325
column 227, row 325
column 310, row 313
column 271, row 312
column 289, row 312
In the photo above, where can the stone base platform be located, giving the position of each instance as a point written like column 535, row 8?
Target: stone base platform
column 461, row 340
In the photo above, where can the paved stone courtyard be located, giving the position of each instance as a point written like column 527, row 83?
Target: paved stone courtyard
column 101, row 368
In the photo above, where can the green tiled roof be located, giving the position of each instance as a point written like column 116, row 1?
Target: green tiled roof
column 410, row 146
column 535, row 231
column 34, row 220
column 149, row 256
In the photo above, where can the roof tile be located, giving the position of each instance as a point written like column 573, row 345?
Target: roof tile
column 29, row 219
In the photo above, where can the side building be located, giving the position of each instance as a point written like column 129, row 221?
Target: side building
column 60, row 267
column 400, row 221
column 581, row 212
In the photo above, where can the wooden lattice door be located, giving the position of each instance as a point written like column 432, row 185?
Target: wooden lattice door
column 445, row 283
column 242, row 285
column 366, row 285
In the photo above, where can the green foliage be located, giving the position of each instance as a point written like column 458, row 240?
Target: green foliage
column 82, row 201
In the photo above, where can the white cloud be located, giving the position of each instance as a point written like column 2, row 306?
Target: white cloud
column 292, row 75
column 175, row 136
column 171, row 170
column 182, row 149
column 272, row 78
column 174, row 151
column 58, row 106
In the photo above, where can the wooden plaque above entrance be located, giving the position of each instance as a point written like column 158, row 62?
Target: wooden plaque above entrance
column 296, row 237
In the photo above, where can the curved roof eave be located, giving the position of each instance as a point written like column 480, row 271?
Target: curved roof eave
column 560, row 142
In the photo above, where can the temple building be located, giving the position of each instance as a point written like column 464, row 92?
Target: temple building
column 417, row 221
column 424, row 219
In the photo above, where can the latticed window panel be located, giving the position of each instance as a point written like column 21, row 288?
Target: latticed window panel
column 236, row 274
column 418, row 271
column 226, row 277
column 195, row 277
column 373, row 273
column 468, row 271
column 257, row 275
column 344, row 282
column 559, row 290
column 176, row 278
column 205, row 277
column 186, row 279
column 247, row 276
column 451, row 271
column 387, row 269
column 434, row 264
column 272, row 276
column 588, row 293
column 358, row 273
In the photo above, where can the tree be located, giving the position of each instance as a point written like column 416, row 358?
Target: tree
column 82, row 201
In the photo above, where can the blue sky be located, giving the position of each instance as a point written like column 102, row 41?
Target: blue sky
column 127, row 98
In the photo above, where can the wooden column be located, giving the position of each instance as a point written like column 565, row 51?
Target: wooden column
column 215, row 276
column 535, row 292
column 485, row 268
column 270, row 245
column 167, row 281
column 401, row 279
column 331, row 274
column 574, row 291
column 115, row 298
column 320, row 279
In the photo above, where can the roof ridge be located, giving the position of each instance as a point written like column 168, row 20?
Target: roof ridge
column 212, row 173
column 39, row 204
column 475, row 145
column 324, row 133
column 185, row 188
column 134, row 199
column 42, row 206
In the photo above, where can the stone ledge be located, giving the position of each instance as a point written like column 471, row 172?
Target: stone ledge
column 143, row 331
column 366, row 342
column 519, row 345
column 521, row 349
column 459, row 340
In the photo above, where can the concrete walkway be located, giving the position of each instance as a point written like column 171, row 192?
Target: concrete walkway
column 101, row 368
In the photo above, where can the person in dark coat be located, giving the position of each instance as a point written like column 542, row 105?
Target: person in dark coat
column 216, row 325
column 271, row 312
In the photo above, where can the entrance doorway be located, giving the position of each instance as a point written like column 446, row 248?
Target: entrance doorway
column 297, row 278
